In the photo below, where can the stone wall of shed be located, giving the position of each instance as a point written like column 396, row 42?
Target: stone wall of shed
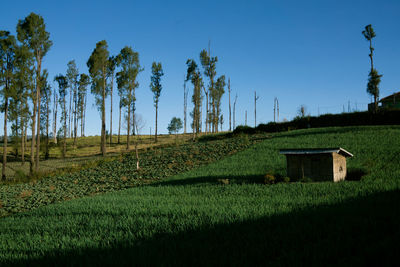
column 318, row 167
column 339, row 167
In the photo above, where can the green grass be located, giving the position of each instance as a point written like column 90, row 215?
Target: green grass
column 192, row 218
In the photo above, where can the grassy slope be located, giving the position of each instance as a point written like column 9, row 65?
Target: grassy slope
column 191, row 218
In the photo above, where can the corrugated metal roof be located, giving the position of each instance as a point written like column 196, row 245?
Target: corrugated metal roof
column 305, row 151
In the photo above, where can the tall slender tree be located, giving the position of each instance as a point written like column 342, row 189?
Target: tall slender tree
column 209, row 66
column 217, row 96
column 72, row 78
column 185, row 94
column 62, row 91
column 98, row 67
column 112, row 63
column 255, row 108
column 32, row 33
column 55, row 109
column 45, row 109
column 7, row 61
column 84, row 81
column 128, row 60
column 230, row 110
column 23, row 82
column 374, row 77
column 194, row 75
column 156, row 87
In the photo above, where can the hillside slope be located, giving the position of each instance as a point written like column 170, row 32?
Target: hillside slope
column 193, row 218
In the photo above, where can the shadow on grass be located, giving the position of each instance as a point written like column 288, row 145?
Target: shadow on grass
column 362, row 231
column 228, row 179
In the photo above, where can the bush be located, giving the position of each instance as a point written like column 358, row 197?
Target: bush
column 244, row 129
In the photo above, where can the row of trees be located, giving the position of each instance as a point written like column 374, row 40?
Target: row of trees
column 213, row 93
column 27, row 95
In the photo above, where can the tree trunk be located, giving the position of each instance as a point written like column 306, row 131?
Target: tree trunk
column 371, row 49
column 206, row 93
column 155, row 139
column 111, row 106
column 184, row 106
column 22, row 142
column 69, row 115
column 136, row 149
column 129, row 119
column 75, row 116
column 55, row 116
column 119, row 124
column 38, row 132
column 47, row 130
column 103, row 117
column 32, row 158
column 3, row 171
column 230, row 112
column 65, row 130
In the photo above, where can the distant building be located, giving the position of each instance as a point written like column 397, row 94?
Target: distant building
column 391, row 101
column 321, row 164
column 388, row 102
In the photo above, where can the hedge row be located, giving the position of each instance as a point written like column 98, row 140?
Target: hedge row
column 383, row 117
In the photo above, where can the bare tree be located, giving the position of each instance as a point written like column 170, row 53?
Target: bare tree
column 234, row 112
column 185, row 94
column 276, row 108
column 230, row 112
column 255, row 108
column 55, row 108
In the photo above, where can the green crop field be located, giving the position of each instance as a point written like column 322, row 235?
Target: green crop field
column 216, row 209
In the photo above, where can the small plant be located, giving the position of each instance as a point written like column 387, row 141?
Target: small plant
column 223, row 181
column 269, row 179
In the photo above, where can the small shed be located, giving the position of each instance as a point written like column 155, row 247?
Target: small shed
column 319, row 164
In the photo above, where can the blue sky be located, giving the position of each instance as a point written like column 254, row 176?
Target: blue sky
column 302, row 52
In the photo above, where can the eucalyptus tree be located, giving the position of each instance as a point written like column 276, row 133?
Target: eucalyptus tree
column 23, row 83
column 45, row 116
column 185, row 94
column 217, row 96
column 374, row 77
column 55, row 109
column 122, row 103
column 32, row 33
column 234, row 112
column 209, row 66
column 72, row 78
column 7, row 61
column 62, row 91
column 194, row 75
column 83, row 82
column 230, row 110
column 156, row 87
column 98, row 67
column 111, row 73
column 128, row 61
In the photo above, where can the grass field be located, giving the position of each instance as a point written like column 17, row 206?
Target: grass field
column 192, row 218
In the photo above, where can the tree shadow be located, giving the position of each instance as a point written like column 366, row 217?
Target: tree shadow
column 361, row 231
column 223, row 179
